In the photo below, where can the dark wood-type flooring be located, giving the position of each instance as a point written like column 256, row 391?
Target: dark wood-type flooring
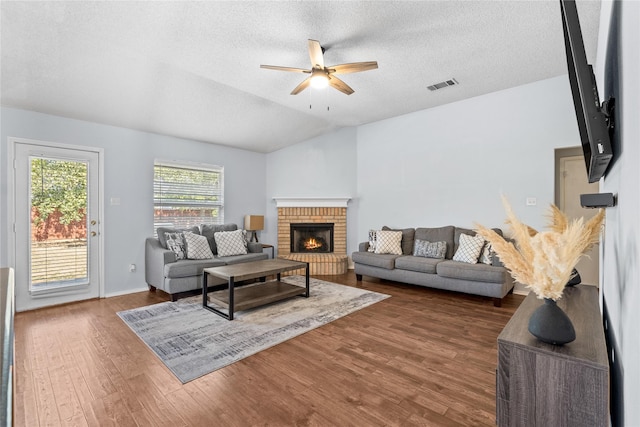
column 422, row 357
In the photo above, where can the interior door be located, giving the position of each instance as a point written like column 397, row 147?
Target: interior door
column 57, row 229
column 573, row 182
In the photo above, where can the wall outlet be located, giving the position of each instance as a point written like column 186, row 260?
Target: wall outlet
column 132, row 268
column 532, row 201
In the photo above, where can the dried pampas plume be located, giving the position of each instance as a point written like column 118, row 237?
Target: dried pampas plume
column 544, row 260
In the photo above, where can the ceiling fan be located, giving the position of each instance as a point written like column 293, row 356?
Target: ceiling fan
column 322, row 76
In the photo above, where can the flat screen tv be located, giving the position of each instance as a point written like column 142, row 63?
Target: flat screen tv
column 593, row 123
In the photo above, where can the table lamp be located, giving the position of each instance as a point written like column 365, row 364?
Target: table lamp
column 253, row 223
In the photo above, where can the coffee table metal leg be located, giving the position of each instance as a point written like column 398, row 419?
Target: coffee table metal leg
column 204, row 288
column 231, row 288
column 205, row 302
column 306, row 278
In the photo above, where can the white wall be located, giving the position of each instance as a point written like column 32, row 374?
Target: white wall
column 448, row 165
column 129, row 157
column 621, row 253
column 324, row 166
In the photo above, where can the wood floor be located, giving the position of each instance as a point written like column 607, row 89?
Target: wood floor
column 421, row 358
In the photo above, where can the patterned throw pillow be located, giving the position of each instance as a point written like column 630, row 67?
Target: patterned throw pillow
column 469, row 248
column 486, row 257
column 388, row 242
column 427, row 249
column 231, row 242
column 175, row 243
column 372, row 240
column 197, row 246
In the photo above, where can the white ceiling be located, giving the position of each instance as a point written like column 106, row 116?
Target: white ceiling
column 192, row 69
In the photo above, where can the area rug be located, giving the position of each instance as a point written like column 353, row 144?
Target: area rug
column 192, row 341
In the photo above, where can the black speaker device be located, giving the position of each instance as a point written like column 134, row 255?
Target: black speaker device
column 597, row 200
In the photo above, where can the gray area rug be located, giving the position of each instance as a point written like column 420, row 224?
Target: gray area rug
column 192, row 341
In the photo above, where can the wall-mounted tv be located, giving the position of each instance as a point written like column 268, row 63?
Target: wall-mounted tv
column 593, row 122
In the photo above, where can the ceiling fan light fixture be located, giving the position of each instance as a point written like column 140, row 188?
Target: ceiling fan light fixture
column 319, row 79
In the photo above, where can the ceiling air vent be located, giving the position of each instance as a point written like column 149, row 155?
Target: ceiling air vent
column 443, row 84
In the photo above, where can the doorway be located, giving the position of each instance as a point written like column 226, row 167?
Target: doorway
column 571, row 181
column 57, row 245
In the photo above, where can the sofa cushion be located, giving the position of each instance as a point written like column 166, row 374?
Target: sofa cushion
column 231, row 242
column 375, row 260
column 388, row 242
column 438, row 234
column 407, row 238
column 417, row 263
column 427, row 249
column 469, row 248
column 197, row 246
column 208, row 230
column 163, row 240
column 472, row 272
column 190, row 267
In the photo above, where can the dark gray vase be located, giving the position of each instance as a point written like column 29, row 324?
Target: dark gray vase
column 550, row 324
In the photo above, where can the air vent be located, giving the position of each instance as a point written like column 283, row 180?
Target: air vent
column 443, row 84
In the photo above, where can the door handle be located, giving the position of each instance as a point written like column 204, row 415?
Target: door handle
column 93, row 222
column 94, row 234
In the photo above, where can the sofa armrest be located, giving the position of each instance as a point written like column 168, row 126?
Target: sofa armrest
column 254, row 247
column 363, row 247
column 155, row 258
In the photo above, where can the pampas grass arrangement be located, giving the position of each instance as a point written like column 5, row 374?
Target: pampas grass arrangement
column 543, row 261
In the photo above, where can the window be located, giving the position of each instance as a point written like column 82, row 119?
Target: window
column 185, row 195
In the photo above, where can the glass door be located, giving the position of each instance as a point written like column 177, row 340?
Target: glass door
column 57, row 225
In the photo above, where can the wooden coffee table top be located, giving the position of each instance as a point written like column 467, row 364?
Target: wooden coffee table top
column 254, row 269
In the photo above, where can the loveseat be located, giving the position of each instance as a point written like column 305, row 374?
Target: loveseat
column 164, row 270
column 435, row 264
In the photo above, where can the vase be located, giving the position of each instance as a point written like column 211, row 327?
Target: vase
column 575, row 278
column 550, row 324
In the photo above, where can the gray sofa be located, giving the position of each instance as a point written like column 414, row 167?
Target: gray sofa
column 181, row 277
column 479, row 279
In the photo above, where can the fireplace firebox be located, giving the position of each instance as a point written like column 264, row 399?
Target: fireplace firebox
column 312, row 237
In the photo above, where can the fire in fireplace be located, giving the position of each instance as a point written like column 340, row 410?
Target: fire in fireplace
column 311, row 237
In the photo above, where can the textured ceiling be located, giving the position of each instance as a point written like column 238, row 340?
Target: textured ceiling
column 192, row 69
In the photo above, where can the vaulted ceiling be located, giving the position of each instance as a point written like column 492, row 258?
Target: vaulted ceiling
column 192, row 69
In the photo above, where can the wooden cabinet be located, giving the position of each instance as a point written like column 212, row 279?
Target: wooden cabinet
column 540, row 384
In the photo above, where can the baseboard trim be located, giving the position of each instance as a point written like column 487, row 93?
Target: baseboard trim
column 127, row 292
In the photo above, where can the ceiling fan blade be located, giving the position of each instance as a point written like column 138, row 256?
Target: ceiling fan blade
column 336, row 83
column 302, row 86
column 315, row 53
column 275, row 67
column 354, row 67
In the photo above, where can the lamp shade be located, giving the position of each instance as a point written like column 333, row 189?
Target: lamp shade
column 253, row 222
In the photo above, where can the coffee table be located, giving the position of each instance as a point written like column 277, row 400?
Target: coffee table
column 254, row 295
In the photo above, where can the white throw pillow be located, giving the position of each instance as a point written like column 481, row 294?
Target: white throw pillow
column 469, row 248
column 231, row 242
column 388, row 242
column 197, row 246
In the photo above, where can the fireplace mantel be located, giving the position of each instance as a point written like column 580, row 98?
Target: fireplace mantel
column 312, row 202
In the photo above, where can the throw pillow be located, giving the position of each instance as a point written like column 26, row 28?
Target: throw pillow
column 175, row 243
column 486, row 257
column 208, row 230
column 388, row 242
column 469, row 248
column 230, row 243
column 197, row 246
column 372, row 240
column 427, row 249
column 161, row 231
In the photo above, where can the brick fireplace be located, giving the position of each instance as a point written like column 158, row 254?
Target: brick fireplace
column 305, row 213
